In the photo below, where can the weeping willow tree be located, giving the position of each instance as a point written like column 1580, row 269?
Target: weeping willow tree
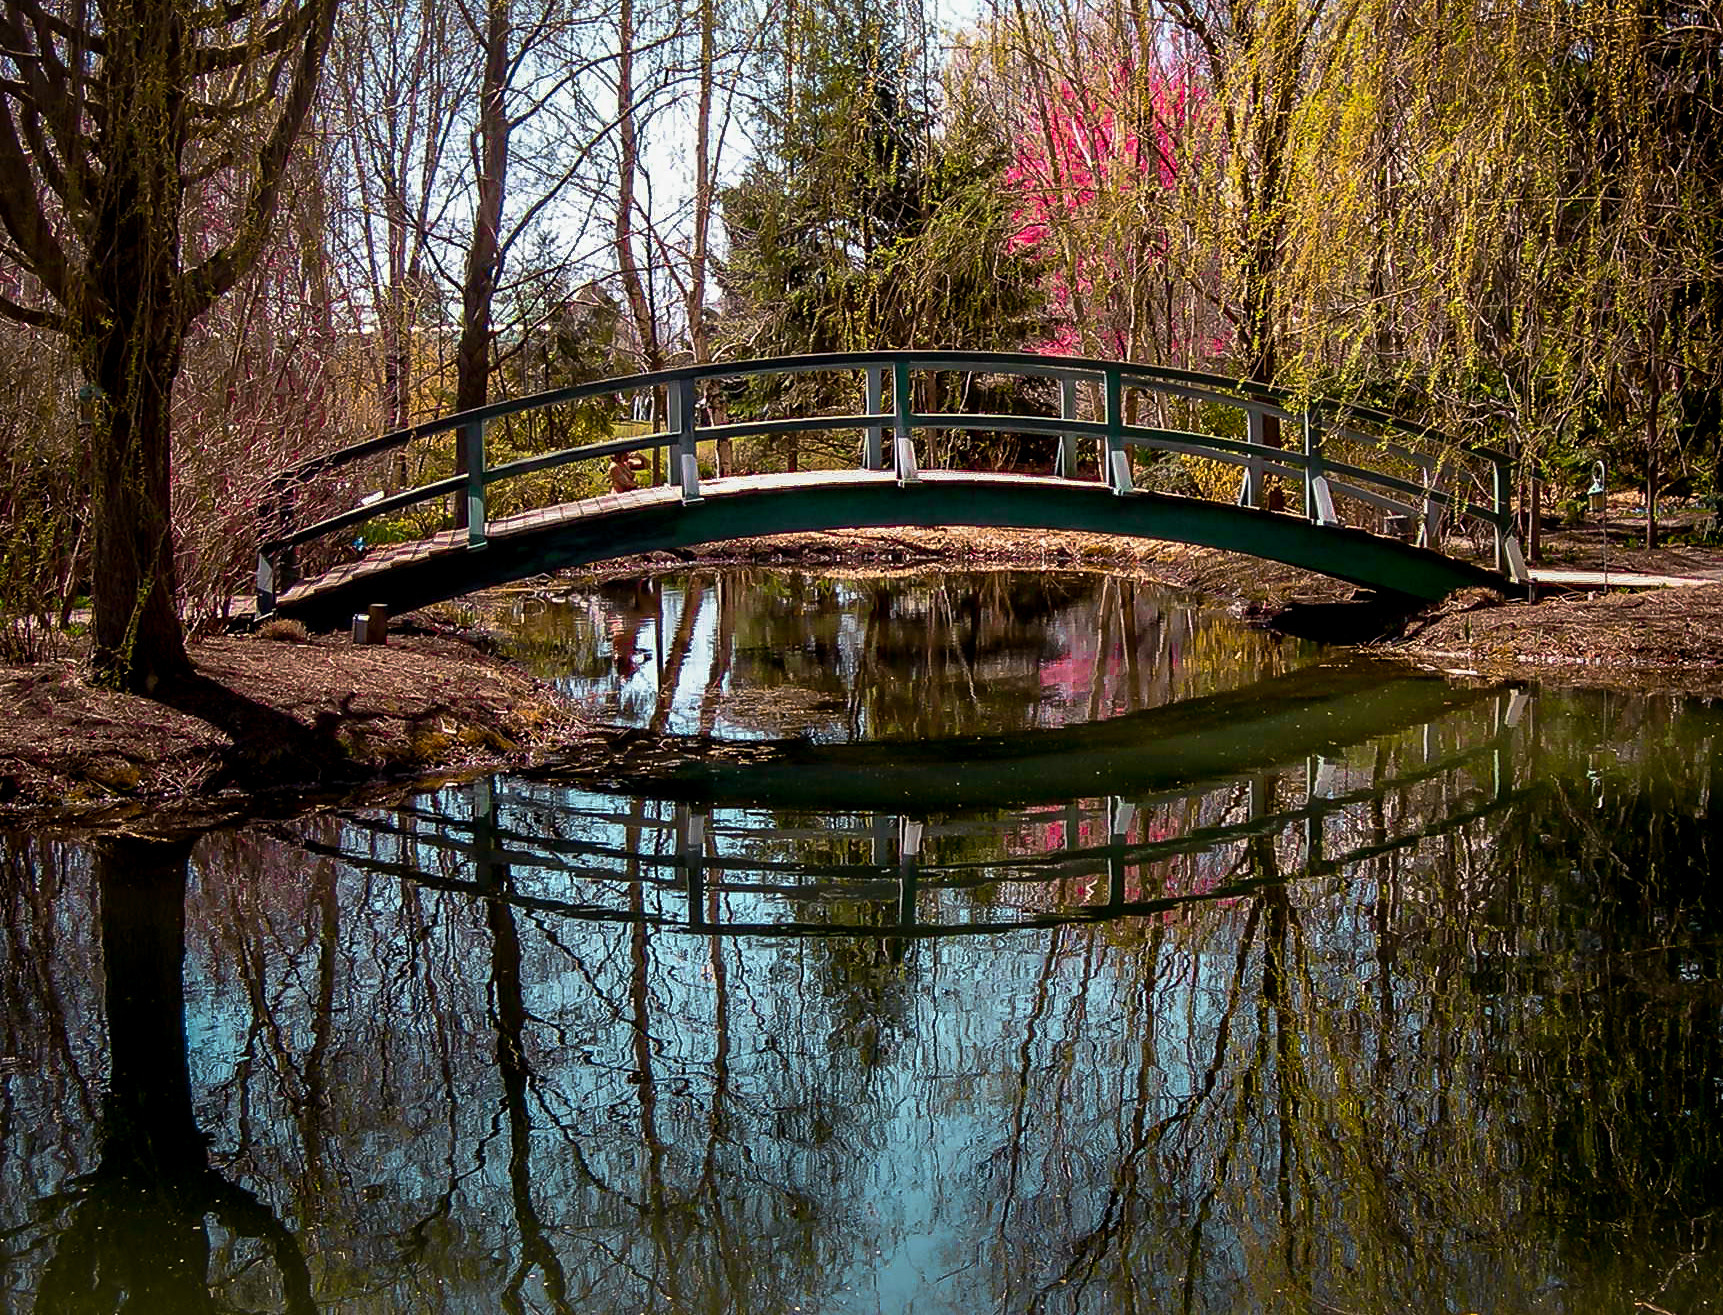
column 142, row 149
column 1505, row 218
column 1512, row 220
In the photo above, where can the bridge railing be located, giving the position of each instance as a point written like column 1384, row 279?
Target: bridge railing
column 1420, row 480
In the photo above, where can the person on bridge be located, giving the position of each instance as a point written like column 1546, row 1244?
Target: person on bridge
column 622, row 470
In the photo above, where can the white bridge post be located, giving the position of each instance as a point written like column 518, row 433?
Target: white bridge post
column 1250, row 486
column 873, row 447
column 1318, row 498
column 1116, row 457
column 903, row 444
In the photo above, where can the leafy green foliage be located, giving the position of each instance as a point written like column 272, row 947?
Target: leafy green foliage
column 860, row 224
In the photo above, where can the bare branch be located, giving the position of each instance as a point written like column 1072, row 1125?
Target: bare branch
column 49, row 91
column 34, row 317
column 202, row 285
column 275, row 39
column 43, row 21
column 22, row 216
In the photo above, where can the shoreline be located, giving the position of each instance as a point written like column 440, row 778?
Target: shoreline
column 264, row 725
column 276, row 725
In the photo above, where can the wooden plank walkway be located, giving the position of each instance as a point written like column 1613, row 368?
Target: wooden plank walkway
column 1617, row 580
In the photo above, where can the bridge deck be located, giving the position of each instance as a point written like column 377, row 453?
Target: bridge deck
column 451, row 545
column 408, row 576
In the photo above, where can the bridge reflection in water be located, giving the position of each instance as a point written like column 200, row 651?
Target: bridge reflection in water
column 1414, row 1006
column 769, row 867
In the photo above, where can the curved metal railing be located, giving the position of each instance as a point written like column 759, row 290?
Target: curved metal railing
column 1449, row 480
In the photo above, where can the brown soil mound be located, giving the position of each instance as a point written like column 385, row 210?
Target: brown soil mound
column 1664, row 638
column 264, row 716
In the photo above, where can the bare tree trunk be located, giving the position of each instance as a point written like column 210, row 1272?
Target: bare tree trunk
column 484, row 256
column 698, row 338
column 1274, row 55
column 628, row 168
column 138, row 643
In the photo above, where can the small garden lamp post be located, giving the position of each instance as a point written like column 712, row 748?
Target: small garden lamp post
column 1598, row 495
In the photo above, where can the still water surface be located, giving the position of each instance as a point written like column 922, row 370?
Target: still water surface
column 1022, row 945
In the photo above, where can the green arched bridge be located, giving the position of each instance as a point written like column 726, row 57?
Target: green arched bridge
column 1350, row 493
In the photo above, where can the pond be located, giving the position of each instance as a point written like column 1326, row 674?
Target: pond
column 996, row 942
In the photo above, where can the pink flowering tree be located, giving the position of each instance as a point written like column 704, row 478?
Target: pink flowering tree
column 1096, row 170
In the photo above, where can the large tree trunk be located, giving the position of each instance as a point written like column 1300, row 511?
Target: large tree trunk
column 138, row 641
column 132, row 331
column 479, row 286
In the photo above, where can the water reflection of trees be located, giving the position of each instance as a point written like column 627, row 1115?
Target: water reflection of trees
column 761, row 652
column 135, row 1232
column 1481, row 1071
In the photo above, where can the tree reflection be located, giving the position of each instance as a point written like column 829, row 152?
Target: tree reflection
column 899, row 657
column 136, row 1236
column 1448, row 1041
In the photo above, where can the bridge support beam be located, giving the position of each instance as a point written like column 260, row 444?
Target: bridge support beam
column 683, row 417
column 1318, row 497
column 1117, row 457
column 873, row 445
column 1250, row 485
column 1435, row 508
column 1510, row 561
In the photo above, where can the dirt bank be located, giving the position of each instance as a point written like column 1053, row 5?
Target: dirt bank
column 266, row 719
column 1661, row 639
